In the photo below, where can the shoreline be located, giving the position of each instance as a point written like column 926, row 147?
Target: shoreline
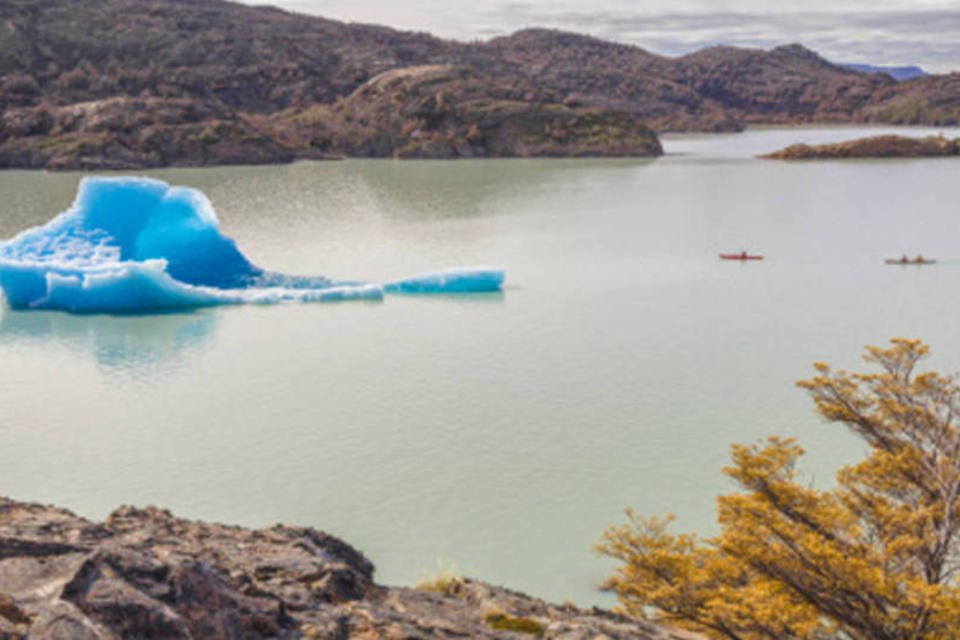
column 922, row 131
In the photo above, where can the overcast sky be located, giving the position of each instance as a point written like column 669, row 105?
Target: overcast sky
column 924, row 32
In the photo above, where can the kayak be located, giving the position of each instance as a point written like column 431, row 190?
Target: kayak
column 908, row 262
column 739, row 256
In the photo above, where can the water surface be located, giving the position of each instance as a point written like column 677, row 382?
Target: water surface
column 499, row 433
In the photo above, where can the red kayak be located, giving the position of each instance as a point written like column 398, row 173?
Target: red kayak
column 739, row 256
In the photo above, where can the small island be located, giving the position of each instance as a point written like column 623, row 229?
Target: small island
column 889, row 146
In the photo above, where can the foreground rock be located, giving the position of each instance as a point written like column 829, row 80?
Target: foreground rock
column 874, row 147
column 145, row 574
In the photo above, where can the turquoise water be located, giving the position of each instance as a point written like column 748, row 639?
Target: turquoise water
column 497, row 433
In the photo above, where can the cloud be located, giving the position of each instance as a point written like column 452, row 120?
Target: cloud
column 928, row 37
column 924, row 32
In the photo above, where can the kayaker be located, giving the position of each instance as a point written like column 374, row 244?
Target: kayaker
column 743, row 255
column 904, row 259
column 919, row 259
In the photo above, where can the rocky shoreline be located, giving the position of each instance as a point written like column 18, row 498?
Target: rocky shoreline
column 434, row 111
column 143, row 573
column 872, row 147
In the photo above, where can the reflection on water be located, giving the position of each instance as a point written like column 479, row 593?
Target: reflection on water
column 443, row 189
column 126, row 342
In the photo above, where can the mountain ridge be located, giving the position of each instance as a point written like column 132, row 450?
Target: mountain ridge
column 251, row 73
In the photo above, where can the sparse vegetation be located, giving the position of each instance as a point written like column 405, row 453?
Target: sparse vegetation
column 502, row 621
column 438, row 584
column 444, row 581
column 455, row 112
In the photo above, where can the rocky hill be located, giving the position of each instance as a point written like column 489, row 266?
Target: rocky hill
column 715, row 89
column 718, row 88
column 145, row 574
column 125, row 132
column 247, row 58
column 446, row 112
column 87, row 83
column 930, row 100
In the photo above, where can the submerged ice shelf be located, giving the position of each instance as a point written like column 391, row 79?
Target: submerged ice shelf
column 140, row 245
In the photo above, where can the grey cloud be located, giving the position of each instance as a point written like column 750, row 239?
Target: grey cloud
column 930, row 38
column 887, row 32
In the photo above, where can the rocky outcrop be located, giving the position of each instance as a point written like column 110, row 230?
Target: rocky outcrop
column 132, row 133
column 929, row 100
column 873, row 147
column 451, row 112
column 144, row 573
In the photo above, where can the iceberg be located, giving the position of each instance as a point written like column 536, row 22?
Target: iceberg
column 138, row 245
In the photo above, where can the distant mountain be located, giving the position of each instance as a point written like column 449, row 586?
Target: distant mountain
column 897, row 73
column 714, row 89
column 129, row 83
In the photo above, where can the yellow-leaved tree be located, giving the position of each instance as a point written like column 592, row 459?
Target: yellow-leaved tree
column 874, row 558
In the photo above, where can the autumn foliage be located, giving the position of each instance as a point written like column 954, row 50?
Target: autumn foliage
column 874, row 558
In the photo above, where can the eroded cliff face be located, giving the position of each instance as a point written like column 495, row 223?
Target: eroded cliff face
column 143, row 573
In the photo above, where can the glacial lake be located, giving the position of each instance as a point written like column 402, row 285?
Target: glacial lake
column 494, row 435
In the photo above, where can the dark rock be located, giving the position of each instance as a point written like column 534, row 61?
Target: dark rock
column 146, row 574
column 11, row 612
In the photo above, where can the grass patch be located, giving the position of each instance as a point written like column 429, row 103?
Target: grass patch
column 438, row 584
column 445, row 581
column 502, row 621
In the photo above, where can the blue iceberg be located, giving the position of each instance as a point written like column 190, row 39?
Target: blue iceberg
column 131, row 245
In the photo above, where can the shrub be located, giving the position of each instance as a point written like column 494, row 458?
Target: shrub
column 22, row 84
column 875, row 558
column 502, row 621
